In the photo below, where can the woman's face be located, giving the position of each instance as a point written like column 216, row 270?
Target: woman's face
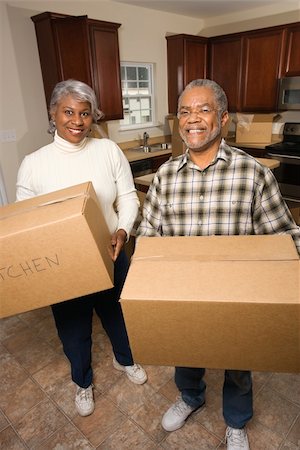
column 73, row 119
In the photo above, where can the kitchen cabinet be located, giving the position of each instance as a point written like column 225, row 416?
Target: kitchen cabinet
column 225, row 55
column 83, row 49
column 247, row 66
column 291, row 62
column 187, row 60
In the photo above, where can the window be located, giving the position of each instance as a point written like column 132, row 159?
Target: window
column 137, row 94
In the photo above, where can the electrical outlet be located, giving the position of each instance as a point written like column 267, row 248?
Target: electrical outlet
column 8, row 135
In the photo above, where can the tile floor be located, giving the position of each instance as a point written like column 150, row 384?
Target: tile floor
column 37, row 400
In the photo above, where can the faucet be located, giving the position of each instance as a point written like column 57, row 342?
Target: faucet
column 145, row 141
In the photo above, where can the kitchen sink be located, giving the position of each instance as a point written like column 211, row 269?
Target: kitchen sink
column 151, row 148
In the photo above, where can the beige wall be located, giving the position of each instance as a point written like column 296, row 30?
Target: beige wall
column 141, row 38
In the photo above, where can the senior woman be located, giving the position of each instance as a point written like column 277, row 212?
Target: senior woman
column 73, row 158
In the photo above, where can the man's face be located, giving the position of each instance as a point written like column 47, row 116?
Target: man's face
column 199, row 121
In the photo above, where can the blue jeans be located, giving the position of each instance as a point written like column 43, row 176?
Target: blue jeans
column 73, row 320
column 237, row 393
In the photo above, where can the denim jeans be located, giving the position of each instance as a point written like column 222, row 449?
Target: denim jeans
column 74, row 325
column 237, row 393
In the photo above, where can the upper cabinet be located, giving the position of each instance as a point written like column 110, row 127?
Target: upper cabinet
column 187, row 60
column 261, row 59
column 225, row 55
column 291, row 62
column 83, row 49
column 247, row 65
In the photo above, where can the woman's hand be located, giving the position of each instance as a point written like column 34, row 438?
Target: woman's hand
column 118, row 239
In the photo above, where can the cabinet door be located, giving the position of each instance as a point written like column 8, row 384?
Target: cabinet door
column 291, row 66
column 195, row 62
column 225, row 67
column 106, row 67
column 73, row 56
column 187, row 60
column 261, row 58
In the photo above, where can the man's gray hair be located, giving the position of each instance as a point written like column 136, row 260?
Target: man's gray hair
column 78, row 90
column 220, row 96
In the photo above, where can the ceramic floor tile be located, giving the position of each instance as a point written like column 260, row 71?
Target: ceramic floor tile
column 104, row 375
column 294, row 433
column 10, row 440
column 3, row 421
column 39, row 423
column 67, row 438
column 35, row 356
column 149, row 416
column 53, row 374
column 105, row 420
column 274, row 411
column 129, row 396
column 10, row 326
column 158, row 376
column 34, row 316
column 286, row 384
column 191, row 436
column 17, row 341
column 12, row 374
column 16, row 403
column 211, row 416
column 289, row 446
column 128, row 437
column 262, row 438
column 169, row 390
column 64, row 397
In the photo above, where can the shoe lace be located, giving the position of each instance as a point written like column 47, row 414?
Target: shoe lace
column 134, row 369
column 180, row 407
column 236, row 437
column 85, row 394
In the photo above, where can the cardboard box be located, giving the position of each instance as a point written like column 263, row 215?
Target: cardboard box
column 54, row 247
column 225, row 302
column 254, row 128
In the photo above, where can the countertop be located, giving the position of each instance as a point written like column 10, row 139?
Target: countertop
column 133, row 155
column 145, row 180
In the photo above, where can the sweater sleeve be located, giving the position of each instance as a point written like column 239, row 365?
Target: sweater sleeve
column 24, row 187
column 127, row 202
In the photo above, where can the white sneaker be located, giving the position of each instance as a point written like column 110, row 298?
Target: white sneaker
column 84, row 401
column 236, row 439
column 135, row 373
column 176, row 415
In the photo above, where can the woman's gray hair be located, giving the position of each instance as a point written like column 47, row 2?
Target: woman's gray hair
column 78, row 90
column 220, row 96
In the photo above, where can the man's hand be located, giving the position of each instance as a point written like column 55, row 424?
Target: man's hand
column 118, row 239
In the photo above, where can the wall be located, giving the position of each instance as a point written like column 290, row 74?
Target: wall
column 141, row 38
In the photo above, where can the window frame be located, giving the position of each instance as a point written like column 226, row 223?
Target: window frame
column 150, row 68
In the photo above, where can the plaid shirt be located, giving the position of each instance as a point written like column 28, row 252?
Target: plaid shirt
column 234, row 195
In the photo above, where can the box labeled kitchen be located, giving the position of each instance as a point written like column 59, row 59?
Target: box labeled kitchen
column 254, row 128
column 54, row 247
column 224, row 302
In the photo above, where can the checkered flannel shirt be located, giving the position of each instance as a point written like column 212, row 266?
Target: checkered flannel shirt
column 234, row 195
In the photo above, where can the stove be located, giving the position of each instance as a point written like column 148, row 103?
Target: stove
column 288, row 153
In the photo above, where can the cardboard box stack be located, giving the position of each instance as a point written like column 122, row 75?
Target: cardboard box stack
column 254, row 128
column 54, row 247
column 227, row 302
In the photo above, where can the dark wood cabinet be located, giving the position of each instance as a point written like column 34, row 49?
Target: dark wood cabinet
column 83, row 49
column 187, row 60
column 291, row 61
column 225, row 68
column 261, row 58
column 247, row 65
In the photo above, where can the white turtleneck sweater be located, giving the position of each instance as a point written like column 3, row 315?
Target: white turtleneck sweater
column 62, row 164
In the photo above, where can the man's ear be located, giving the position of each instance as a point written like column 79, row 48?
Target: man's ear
column 224, row 118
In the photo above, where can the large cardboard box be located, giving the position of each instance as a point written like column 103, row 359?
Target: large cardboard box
column 54, row 247
column 254, row 128
column 228, row 302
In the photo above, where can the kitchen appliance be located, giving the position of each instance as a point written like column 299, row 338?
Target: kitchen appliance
column 288, row 153
column 289, row 94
